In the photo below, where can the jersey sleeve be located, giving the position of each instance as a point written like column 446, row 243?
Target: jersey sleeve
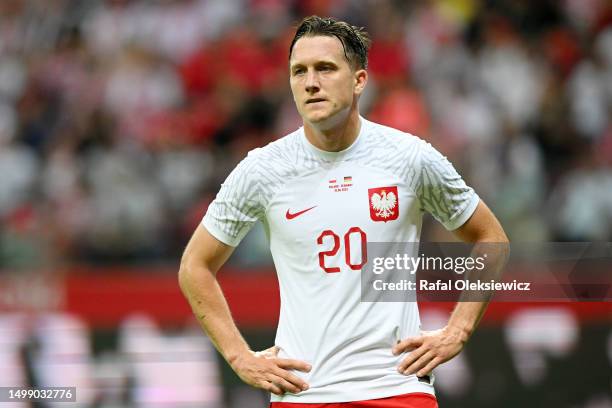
column 238, row 205
column 441, row 190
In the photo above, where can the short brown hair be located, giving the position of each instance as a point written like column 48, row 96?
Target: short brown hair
column 355, row 40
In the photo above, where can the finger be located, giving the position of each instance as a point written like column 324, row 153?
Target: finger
column 273, row 388
column 285, row 385
column 420, row 363
column 429, row 367
column 407, row 345
column 293, row 364
column 292, row 378
column 413, row 356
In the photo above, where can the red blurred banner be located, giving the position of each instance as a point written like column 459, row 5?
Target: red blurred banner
column 104, row 297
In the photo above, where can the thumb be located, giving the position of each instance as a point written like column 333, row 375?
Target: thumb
column 270, row 352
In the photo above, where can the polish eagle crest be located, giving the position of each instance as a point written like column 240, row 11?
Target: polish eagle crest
column 384, row 203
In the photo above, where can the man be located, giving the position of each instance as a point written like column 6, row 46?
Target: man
column 313, row 190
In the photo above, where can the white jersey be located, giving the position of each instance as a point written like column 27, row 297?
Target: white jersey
column 319, row 209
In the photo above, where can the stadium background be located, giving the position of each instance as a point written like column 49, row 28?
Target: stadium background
column 119, row 119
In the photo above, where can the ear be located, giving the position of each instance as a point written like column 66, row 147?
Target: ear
column 360, row 80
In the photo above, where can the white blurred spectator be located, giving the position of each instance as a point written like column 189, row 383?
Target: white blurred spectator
column 8, row 124
column 172, row 28
column 126, row 201
column 534, row 335
column 70, row 206
column 179, row 369
column 140, row 84
column 582, row 13
column 63, row 358
column 175, row 29
column 603, row 47
column 13, row 334
column 60, row 177
column 110, row 26
column 13, row 75
column 111, row 374
column 589, row 101
column 514, row 78
column 521, row 190
column 182, row 174
column 584, row 205
column 428, row 29
column 465, row 113
column 19, row 165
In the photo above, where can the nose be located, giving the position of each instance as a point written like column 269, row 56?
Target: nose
column 312, row 82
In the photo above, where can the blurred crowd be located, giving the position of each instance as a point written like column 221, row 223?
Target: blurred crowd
column 119, row 119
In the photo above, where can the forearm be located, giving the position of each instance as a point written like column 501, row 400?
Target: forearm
column 472, row 305
column 465, row 318
column 209, row 306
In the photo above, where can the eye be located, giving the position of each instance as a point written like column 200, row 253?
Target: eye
column 298, row 71
column 326, row 67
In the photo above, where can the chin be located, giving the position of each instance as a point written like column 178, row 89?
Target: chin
column 325, row 121
column 318, row 118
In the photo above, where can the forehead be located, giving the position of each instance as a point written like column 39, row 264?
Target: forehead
column 311, row 49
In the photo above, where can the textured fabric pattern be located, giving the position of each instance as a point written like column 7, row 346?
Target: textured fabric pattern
column 245, row 195
column 320, row 210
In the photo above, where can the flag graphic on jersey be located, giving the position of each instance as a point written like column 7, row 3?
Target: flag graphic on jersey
column 384, row 203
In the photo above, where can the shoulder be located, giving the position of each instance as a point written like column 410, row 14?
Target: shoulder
column 276, row 151
column 268, row 167
column 391, row 142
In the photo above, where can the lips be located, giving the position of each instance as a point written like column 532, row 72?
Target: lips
column 314, row 100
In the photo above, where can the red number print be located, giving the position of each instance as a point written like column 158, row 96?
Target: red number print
column 347, row 249
column 331, row 252
column 347, row 246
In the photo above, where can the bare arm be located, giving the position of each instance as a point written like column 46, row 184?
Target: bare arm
column 484, row 228
column 436, row 347
column 203, row 257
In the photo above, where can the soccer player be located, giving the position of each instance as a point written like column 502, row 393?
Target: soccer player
column 323, row 192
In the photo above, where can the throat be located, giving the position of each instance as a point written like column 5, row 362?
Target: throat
column 335, row 139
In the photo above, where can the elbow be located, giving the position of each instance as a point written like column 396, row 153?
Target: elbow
column 501, row 245
column 494, row 234
column 183, row 274
column 192, row 272
column 503, row 238
column 493, row 237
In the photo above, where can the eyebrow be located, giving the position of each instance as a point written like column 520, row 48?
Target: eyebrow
column 321, row 62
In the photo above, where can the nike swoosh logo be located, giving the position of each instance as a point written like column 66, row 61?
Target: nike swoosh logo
column 297, row 214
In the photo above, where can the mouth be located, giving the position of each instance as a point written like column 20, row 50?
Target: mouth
column 314, row 100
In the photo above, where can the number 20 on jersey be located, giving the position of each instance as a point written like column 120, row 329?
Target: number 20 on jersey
column 329, row 236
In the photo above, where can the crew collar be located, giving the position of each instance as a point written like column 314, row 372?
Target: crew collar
column 333, row 156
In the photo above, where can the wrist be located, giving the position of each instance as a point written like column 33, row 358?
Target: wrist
column 462, row 333
column 235, row 357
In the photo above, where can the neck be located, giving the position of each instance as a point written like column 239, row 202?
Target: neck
column 337, row 137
